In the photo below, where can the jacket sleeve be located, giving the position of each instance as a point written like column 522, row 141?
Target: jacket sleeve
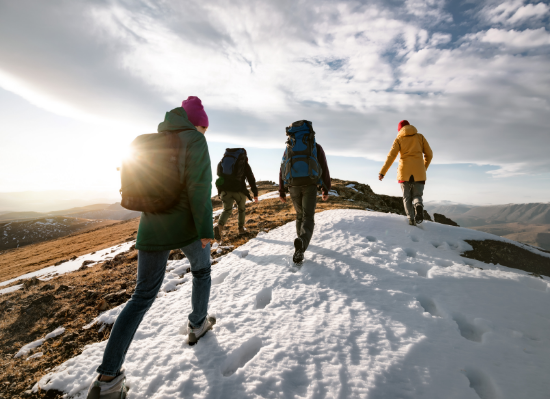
column 198, row 179
column 251, row 179
column 395, row 148
column 428, row 153
column 321, row 157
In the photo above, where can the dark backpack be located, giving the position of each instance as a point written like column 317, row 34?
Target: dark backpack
column 231, row 170
column 150, row 178
column 300, row 166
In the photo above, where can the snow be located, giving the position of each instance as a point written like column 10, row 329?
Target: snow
column 379, row 309
column 35, row 344
column 334, row 193
column 36, row 355
column 48, row 272
column 352, row 186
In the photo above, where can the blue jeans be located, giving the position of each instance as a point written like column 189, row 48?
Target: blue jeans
column 150, row 275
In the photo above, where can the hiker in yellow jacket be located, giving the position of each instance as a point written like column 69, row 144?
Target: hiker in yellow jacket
column 416, row 156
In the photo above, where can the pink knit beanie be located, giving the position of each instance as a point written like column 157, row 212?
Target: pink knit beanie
column 195, row 111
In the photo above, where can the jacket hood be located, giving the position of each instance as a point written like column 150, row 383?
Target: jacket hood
column 407, row 130
column 176, row 119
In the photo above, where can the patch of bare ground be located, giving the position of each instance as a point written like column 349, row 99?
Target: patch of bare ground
column 15, row 262
column 71, row 301
column 510, row 255
column 18, row 234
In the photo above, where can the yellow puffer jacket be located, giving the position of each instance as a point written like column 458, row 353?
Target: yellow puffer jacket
column 416, row 155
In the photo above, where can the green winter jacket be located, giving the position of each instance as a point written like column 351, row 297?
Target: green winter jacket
column 191, row 219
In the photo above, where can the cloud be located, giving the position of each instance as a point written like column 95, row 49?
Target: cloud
column 527, row 38
column 515, row 12
column 355, row 69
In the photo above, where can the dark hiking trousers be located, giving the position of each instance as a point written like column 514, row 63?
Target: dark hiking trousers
column 412, row 195
column 304, row 199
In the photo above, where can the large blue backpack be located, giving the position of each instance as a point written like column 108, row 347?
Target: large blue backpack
column 300, row 166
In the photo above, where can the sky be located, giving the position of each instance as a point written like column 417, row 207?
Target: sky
column 80, row 80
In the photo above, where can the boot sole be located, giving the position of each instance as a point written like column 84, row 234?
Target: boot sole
column 193, row 339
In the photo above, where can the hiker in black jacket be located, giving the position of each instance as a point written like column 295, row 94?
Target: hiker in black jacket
column 233, row 170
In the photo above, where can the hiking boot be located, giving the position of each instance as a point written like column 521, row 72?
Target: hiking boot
column 419, row 213
column 298, row 256
column 412, row 222
column 115, row 389
column 196, row 333
column 242, row 231
column 218, row 230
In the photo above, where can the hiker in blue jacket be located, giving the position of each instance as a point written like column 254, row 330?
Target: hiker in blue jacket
column 302, row 181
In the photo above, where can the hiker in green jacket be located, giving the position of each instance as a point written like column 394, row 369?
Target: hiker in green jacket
column 187, row 226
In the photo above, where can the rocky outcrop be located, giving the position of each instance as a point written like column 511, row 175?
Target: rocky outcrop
column 510, row 255
column 439, row 218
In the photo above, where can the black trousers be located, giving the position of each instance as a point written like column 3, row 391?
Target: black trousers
column 304, row 199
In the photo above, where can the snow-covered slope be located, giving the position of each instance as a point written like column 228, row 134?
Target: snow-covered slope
column 379, row 309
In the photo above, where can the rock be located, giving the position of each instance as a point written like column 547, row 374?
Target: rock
column 70, row 337
column 102, row 305
column 427, row 216
column 176, row 254
column 130, row 239
column 60, row 262
column 439, row 218
column 62, row 288
column 73, row 257
column 91, row 294
column 30, row 282
column 85, row 264
column 510, row 255
column 43, row 299
column 115, row 295
column 123, row 286
column 47, row 287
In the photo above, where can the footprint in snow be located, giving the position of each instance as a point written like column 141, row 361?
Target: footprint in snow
column 429, row 305
column 263, row 298
column 481, row 383
column 411, row 253
column 240, row 356
column 219, row 279
column 470, row 331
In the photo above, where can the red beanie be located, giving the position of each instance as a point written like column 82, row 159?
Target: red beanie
column 195, row 111
column 404, row 122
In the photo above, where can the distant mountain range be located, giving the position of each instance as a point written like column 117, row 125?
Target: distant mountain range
column 527, row 223
column 471, row 215
column 96, row 211
column 53, row 200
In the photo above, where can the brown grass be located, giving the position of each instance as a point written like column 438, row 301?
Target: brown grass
column 15, row 262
